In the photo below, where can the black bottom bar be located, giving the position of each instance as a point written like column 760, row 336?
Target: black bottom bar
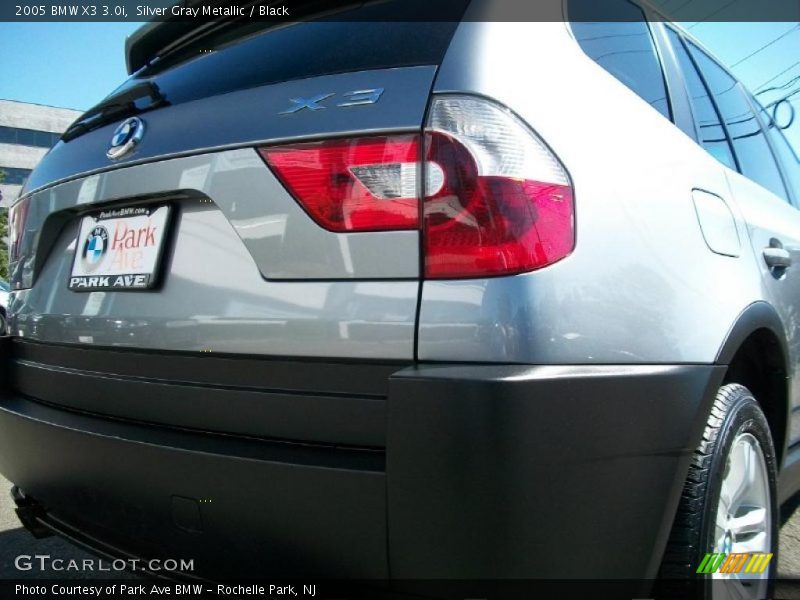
column 373, row 589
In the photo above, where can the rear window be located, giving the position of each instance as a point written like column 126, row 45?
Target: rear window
column 615, row 34
column 711, row 134
column 749, row 142
column 249, row 55
column 786, row 154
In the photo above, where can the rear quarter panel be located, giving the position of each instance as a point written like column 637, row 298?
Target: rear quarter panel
column 641, row 285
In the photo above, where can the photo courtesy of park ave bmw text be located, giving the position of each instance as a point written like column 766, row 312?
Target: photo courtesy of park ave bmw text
column 338, row 299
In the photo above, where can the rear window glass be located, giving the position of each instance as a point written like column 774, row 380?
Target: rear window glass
column 749, row 142
column 711, row 134
column 248, row 55
column 615, row 34
column 786, row 154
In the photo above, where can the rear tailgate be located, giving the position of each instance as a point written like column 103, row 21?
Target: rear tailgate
column 240, row 267
column 270, row 334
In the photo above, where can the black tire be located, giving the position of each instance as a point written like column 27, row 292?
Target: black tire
column 735, row 411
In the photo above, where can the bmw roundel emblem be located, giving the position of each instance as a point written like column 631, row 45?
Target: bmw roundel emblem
column 94, row 248
column 125, row 138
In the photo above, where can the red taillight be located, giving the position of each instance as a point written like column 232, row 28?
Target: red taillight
column 362, row 184
column 17, row 216
column 506, row 203
column 497, row 201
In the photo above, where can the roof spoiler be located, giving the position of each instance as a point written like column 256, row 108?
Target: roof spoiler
column 156, row 37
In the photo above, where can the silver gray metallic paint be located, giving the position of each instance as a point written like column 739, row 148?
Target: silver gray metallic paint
column 287, row 244
column 236, row 225
column 769, row 218
column 250, row 117
column 282, row 239
column 624, row 296
column 621, row 296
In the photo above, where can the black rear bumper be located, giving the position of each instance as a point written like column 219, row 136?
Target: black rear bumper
column 475, row 471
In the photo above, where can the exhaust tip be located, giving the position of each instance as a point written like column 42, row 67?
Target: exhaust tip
column 30, row 513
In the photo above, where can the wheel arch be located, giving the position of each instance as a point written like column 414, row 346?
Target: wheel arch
column 756, row 355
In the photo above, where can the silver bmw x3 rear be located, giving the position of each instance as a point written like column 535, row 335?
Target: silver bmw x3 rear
column 369, row 297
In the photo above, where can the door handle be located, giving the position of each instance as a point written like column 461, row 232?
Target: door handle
column 777, row 258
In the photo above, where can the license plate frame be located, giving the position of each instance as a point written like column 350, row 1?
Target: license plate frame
column 121, row 249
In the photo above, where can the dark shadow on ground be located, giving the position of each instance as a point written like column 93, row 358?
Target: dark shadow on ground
column 789, row 508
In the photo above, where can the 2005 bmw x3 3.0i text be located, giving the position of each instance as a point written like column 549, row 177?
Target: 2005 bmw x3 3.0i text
column 395, row 311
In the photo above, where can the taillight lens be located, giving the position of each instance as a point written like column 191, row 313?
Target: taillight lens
column 496, row 200
column 17, row 216
column 361, row 184
column 505, row 202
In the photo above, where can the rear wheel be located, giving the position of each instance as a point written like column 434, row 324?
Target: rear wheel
column 728, row 505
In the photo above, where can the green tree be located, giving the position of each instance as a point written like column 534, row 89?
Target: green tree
column 3, row 236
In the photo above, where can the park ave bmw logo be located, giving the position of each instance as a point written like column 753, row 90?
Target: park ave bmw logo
column 94, row 248
column 125, row 138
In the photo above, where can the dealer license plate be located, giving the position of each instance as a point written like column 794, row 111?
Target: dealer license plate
column 120, row 249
